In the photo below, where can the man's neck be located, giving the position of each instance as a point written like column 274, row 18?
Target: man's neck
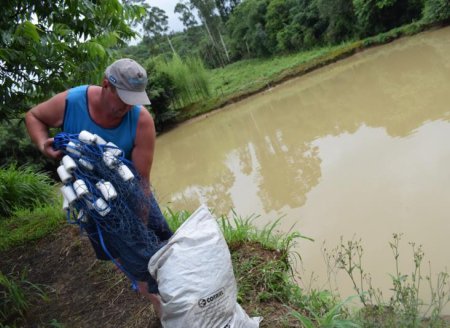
column 97, row 111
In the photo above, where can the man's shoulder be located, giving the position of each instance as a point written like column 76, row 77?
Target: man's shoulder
column 82, row 89
column 144, row 114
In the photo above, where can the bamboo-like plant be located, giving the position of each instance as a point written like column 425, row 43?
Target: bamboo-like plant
column 189, row 77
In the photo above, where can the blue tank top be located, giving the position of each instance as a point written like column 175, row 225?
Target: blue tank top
column 77, row 119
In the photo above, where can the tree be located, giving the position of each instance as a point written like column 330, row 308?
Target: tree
column 340, row 18
column 49, row 45
column 156, row 24
column 155, row 27
column 226, row 7
column 306, row 28
column 187, row 17
column 211, row 22
column 376, row 16
column 277, row 17
column 246, row 29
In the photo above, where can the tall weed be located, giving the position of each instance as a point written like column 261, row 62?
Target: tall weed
column 334, row 317
column 405, row 307
column 189, row 78
column 23, row 188
column 17, row 295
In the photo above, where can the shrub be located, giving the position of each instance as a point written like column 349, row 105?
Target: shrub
column 436, row 11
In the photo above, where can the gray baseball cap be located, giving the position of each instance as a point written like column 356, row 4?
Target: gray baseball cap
column 130, row 80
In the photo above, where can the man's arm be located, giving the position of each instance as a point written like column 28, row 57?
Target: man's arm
column 144, row 145
column 48, row 114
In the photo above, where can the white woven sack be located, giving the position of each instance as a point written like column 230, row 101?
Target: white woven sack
column 195, row 278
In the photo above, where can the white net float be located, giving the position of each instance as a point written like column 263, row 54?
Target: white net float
column 102, row 207
column 109, row 159
column 80, row 188
column 86, row 164
column 63, row 174
column 124, row 172
column 69, row 163
column 99, row 140
column 68, row 193
column 73, row 148
column 113, row 149
column 107, row 189
column 82, row 216
column 65, row 205
column 87, row 137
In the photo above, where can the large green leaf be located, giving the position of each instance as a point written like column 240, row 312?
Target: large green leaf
column 28, row 30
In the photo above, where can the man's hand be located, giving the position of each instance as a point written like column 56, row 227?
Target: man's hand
column 47, row 149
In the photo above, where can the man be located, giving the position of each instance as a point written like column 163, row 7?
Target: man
column 113, row 111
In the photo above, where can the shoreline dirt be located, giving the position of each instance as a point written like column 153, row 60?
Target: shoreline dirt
column 82, row 291
column 85, row 292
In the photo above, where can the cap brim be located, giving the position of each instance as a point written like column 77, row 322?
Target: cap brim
column 133, row 98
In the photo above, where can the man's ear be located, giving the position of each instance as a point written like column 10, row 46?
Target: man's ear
column 105, row 83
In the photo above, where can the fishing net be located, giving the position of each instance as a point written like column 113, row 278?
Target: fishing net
column 106, row 197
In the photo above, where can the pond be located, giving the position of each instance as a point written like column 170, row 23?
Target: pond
column 356, row 149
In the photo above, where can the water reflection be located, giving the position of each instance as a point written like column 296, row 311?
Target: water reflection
column 358, row 147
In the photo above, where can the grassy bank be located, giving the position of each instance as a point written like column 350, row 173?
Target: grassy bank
column 39, row 251
column 247, row 77
column 36, row 288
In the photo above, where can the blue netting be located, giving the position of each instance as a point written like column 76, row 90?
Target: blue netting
column 105, row 196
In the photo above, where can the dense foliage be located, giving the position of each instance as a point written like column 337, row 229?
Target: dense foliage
column 436, row 10
column 49, row 45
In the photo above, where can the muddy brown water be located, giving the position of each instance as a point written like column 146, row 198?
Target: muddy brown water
column 358, row 149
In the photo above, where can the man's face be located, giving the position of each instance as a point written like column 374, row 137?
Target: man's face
column 116, row 107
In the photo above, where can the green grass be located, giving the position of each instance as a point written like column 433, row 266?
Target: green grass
column 176, row 218
column 27, row 225
column 253, row 73
column 30, row 207
column 334, row 317
column 189, row 77
column 262, row 262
